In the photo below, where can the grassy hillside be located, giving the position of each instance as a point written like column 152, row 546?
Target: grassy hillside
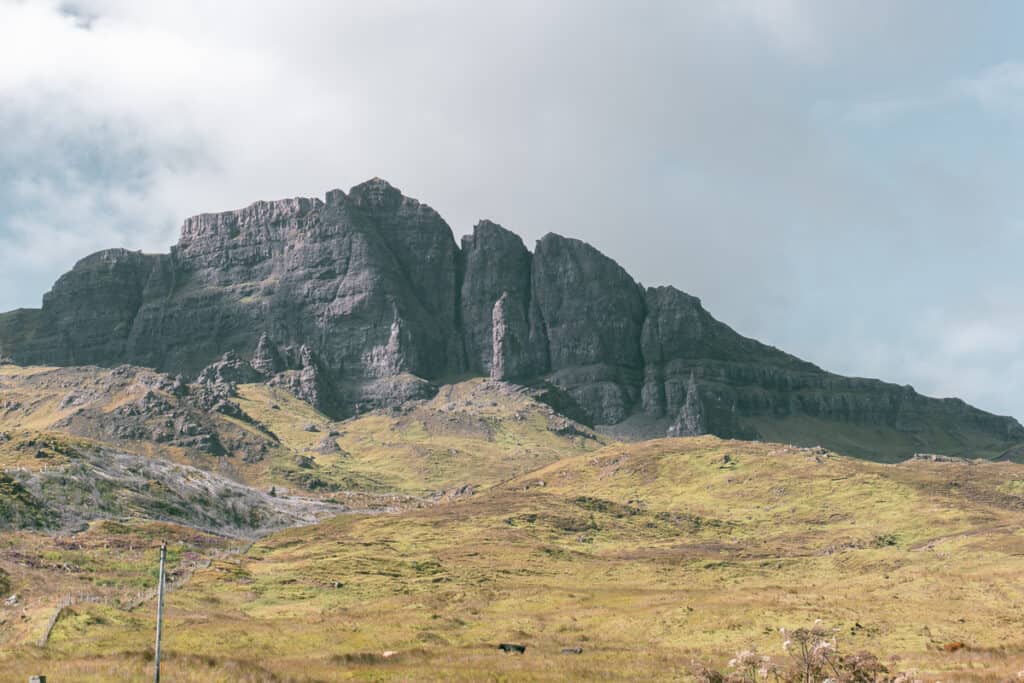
column 110, row 566
column 645, row 555
column 884, row 443
column 476, row 433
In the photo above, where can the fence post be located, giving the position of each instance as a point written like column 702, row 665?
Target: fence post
column 159, row 610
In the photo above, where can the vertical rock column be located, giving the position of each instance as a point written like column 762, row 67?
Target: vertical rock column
column 497, row 266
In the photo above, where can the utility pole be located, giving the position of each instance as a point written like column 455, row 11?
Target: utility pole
column 160, row 609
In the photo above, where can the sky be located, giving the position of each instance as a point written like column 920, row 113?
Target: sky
column 838, row 179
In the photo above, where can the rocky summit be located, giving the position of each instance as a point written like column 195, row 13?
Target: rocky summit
column 364, row 300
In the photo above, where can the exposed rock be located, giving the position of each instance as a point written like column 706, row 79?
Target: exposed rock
column 563, row 426
column 227, row 372
column 179, row 388
column 690, row 421
column 393, row 392
column 428, row 261
column 309, row 383
column 497, row 265
column 231, row 409
column 327, row 445
column 266, row 360
column 933, row 457
column 87, row 317
column 509, row 341
column 463, row 491
column 592, row 313
column 107, row 484
column 363, row 301
column 367, row 281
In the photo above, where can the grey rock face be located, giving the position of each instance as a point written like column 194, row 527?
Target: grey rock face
column 592, row 314
column 266, row 359
column 510, row 339
column 364, row 300
column 87, row 317
column 228, row 371
column 428, row 260
column 367, row 281
column 305, row 272
column 690, row 421
column 681, row 342
column 496, row 264
column 307, row 383
column 739, row 380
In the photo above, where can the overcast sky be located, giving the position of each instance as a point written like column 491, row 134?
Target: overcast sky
column 839, row 179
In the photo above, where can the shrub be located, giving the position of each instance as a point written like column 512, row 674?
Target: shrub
column 814, row 657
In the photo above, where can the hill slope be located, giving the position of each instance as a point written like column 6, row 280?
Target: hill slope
column 476, row 433
column 643, row 555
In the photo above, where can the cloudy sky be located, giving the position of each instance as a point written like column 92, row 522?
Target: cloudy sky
column 839, row 179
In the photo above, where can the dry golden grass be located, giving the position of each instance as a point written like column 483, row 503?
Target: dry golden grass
column 474, row 432
column 471, row 433
column 646, row 556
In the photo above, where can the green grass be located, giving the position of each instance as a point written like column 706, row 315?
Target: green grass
column 469, row 434
column 878, row 442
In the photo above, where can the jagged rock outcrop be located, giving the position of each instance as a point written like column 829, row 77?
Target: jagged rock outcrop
column 363, row 300
column 509, row 340
column 497, row 264
column 266, row 359
column 690, row 421
column 228, row 371
column 307, row 382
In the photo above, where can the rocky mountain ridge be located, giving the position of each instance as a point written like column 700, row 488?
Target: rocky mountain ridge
column 364, row 300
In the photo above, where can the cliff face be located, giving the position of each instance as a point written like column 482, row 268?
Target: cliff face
column 592, row 314
column 364, row 299
column 497, row 265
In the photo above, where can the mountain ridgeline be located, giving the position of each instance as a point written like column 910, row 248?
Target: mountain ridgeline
column 364, row 300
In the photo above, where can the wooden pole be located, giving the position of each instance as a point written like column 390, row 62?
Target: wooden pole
column 160, row 609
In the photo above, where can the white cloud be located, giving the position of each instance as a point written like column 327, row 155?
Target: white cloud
column 999, row 87
column 787, row 22
column 687, row 140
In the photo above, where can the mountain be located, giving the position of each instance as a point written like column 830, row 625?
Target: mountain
column 364, row 300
